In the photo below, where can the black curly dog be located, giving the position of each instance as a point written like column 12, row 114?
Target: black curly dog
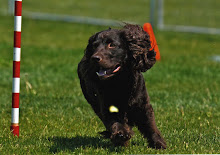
column 110, row 74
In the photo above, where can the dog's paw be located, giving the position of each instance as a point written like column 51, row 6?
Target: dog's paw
column 157, row 142
column 120, row 139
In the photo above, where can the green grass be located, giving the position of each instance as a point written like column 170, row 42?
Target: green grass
column 55, row 118
column 192, row 13
column 137, row 10
column 176, row 12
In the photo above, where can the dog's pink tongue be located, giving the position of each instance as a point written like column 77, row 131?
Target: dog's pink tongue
column 117, row 69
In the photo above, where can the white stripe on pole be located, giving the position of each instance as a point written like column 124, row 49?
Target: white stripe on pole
column 15, row 115
column 16, row 85
column 19, row 0
column 17, row 54
column 18, row 20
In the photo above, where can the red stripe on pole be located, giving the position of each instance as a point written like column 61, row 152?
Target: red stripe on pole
column 18, row 8
column 17, row 39
column 16, row 69
column 15, row 130
column 15, row 100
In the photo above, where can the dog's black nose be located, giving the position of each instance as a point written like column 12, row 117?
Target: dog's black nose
column 96, row 58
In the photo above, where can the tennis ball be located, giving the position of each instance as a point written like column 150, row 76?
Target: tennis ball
column 113, row 109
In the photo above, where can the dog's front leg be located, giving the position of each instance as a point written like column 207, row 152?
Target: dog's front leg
column 117, row 128
column 121, row 134
column 146, row 124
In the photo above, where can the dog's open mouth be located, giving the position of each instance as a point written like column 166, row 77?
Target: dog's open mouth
column 108, row 72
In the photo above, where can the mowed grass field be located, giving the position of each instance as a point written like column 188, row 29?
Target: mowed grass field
column 56, row 119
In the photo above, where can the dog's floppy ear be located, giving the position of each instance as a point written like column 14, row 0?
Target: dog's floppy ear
column 138, row 42
column 89, row 49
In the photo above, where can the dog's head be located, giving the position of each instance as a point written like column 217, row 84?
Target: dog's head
column 112, row 50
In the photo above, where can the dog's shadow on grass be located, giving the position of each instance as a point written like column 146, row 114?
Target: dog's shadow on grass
column 73, row 144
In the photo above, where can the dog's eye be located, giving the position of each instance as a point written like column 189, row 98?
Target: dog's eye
column 111, row 45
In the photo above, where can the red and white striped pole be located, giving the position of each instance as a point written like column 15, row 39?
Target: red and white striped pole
column 16, row 68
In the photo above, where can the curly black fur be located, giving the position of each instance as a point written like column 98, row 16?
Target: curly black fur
column 110, row 74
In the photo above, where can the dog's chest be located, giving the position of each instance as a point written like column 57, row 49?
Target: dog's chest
column 116, row 94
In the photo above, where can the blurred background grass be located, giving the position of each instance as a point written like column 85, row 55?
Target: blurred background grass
column 54, row 116
column 182, row 12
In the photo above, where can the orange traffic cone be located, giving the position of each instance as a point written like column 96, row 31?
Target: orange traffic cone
column 148, row 28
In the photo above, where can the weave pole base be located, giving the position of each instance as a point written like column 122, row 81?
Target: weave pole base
column 15, row 129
